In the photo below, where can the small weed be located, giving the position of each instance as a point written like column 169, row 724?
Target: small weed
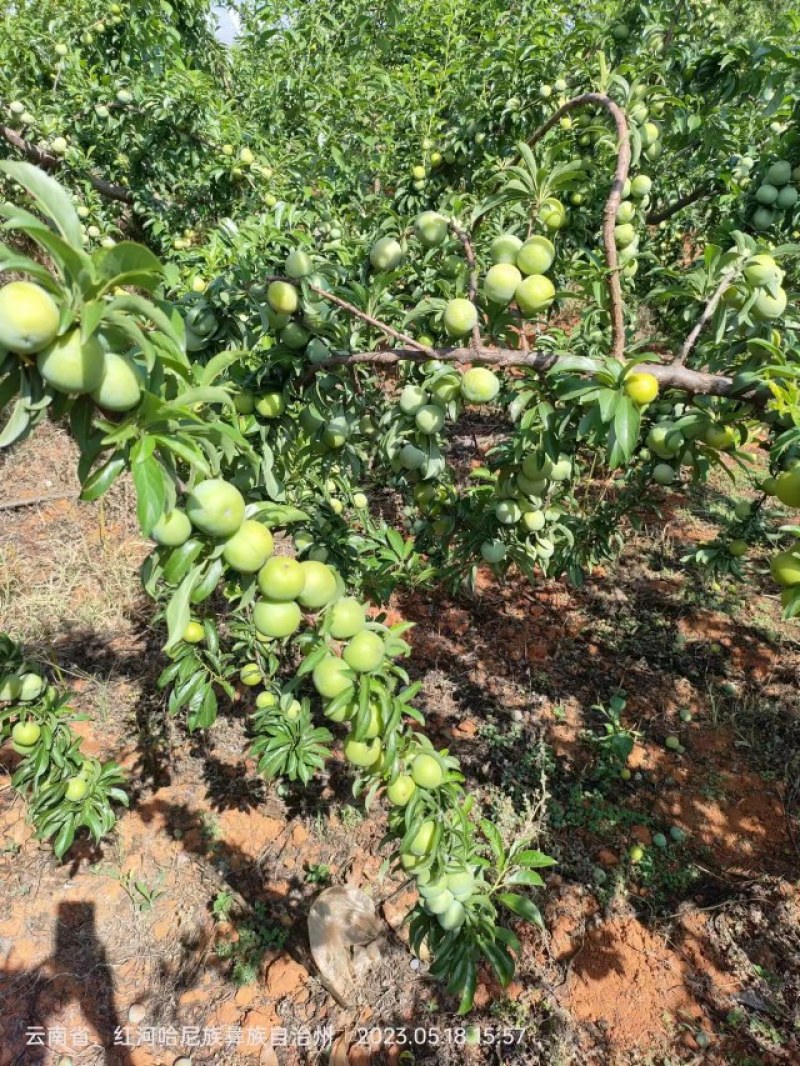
column 318, row 873
column 712, row 787
column 141, row 895
column 253, row 937
column 520, row 759
column 350, row 817
column 210, row 829
column 616, row 741
column 221, row 905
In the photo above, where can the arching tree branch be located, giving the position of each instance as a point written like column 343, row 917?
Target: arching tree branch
column 47, row 161
column 662, row 214
column 612, row 203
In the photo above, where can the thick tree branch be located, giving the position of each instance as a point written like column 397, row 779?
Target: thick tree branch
column 47, row 161
column 662, row 214
column 694, row 382
column 708, row 311
column 612, row 203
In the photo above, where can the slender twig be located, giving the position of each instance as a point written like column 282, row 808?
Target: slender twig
column 661, row 215
column 708, row 311
column 469, row 255
column 612, row 203
column 47, row 161
column 351, row 309
column 695, row 382
column 12, row 505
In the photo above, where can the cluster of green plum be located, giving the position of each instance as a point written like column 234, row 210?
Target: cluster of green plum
column 19, row 690
column 288, row 587
column 92, row 232
column 244, row 160
column 295, row 320
column 290, row 590
column 18, row 112
column 635, row 195
column 785, row 566
column 518, row 273
column 522, row 506
column 775, row 193
column 31, row 325
column 216, row 509
column 760, row 289
column 21, row 686
column 649, row 132
column 423, row 409
column 342, row 648
column 332, row 431
column 445, row 896
column 200, row 325
column 672, row 441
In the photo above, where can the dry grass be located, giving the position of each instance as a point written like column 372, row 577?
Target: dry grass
column 88, row 585
column 65, row 566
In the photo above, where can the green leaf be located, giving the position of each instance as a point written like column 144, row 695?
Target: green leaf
column 276, row 514
column 468, row 987
column 625, row 432
column 52, row 200
column 178, row 613
column 534, row 859
column 101, row 479
column 208, row 582
column 525, row 877
column 220, row 363
column 17, row 425
column 64, row 840
column 500, row 961
column 12, row 261
column 494, row 838
column 128, row 263
column 70, row 260
column 205, row 394
column 622, row 744
column 521, row 906
column 139, row 305
column 202, row 709
column 180, row 559
column 151, row 495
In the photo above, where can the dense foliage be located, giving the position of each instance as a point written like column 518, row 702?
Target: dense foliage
column 358, row 201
